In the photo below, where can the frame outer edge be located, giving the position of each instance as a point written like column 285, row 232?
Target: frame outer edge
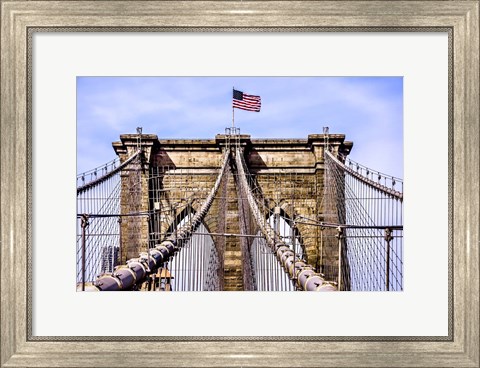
column 472, row 158
column 7, row 182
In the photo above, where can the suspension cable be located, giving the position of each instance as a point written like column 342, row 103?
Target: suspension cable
column 101, row 179
column 365, row 180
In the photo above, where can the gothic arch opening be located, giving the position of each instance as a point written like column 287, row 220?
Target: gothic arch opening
column 195, row 265
column 268, row 273
column 286, row 231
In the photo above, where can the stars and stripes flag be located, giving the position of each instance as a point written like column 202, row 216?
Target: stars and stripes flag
column 246, row 102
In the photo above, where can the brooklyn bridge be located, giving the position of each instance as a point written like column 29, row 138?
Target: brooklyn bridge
column 235, row 213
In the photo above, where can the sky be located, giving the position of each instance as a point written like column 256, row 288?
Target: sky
column 368, row 110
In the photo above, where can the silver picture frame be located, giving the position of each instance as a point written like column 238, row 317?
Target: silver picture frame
column 19, row 22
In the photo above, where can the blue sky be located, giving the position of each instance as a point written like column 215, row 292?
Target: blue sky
column 368, row 110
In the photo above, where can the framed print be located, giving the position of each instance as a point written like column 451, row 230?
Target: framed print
column 59, row 57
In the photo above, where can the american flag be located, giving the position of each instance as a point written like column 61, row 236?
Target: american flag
column 246, row 102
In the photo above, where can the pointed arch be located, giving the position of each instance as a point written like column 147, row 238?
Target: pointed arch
column 286, row 228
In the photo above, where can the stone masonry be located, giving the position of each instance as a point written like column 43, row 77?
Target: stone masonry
column 289, row 172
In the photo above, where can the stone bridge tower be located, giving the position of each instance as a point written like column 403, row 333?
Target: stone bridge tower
column 175, row 175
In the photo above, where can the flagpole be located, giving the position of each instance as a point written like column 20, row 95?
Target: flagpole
column 233, row 113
